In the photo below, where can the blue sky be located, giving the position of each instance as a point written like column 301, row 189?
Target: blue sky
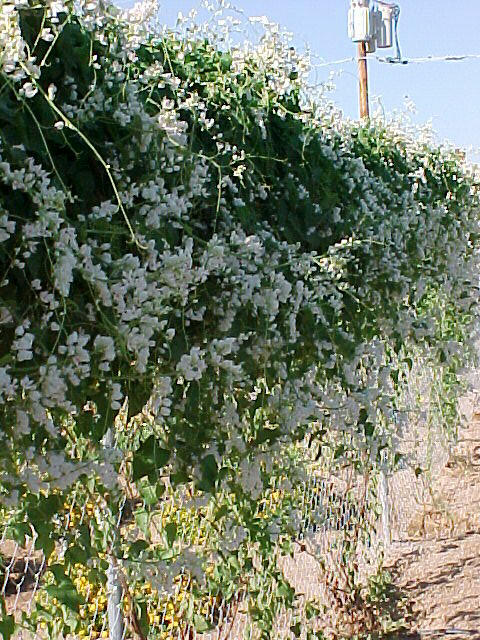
column 448, row 93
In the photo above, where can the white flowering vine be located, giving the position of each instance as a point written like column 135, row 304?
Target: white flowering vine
column 199, row 254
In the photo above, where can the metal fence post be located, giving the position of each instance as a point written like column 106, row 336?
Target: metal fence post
column 385, row 502
column 116, row 625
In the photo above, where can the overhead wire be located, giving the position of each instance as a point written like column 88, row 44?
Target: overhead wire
column 404, row 61
column 431, row 58
column 335, row 62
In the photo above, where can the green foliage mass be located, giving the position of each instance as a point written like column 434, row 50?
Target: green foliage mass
column 146, row 184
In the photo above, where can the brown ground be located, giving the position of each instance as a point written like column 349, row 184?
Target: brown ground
column 438, row 565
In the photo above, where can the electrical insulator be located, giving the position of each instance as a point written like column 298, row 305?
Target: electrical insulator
column 371, row 45
column 375, row 28
column 376, row 20
column 359, row 24
column 385, row 31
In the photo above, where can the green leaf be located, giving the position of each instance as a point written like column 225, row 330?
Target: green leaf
column 209, row 468
column 142, row 518
column 339, row 451
column 18, row 532
column 137, row 548
column 284, row 590
column 7, row 627
column 149, row 492
column 44, row 539
column 200, row 624
column 267, row 435
column 96, row 576
column 148, row 459
column 64, row 590
column 171, row 533
column 77, row 554
column 51, row 505
column 226, row 62
column 369, row 429
column 143, row 617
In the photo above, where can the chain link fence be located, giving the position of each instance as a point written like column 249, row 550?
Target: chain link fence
column 345, row 516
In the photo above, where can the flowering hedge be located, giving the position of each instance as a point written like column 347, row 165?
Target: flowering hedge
column 202, row 267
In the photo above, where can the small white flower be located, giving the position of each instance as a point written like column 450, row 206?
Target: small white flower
column 29, row 90
column 23, row 347
column 193, row 365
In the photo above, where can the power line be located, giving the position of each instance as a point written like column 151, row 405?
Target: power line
column 431, row 58
column 335, row 62
column 448, row 58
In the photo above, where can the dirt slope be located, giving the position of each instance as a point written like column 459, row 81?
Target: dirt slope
column 438, row 567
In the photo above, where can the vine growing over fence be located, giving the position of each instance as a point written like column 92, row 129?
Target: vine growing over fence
column 208, row 281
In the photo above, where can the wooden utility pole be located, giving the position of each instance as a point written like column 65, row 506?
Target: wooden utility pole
column 363, row 80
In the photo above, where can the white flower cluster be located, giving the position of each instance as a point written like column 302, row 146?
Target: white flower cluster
column 225, row 304
column 23, row 344
column 251, row 479
column 7, row 227
column 12, row 45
